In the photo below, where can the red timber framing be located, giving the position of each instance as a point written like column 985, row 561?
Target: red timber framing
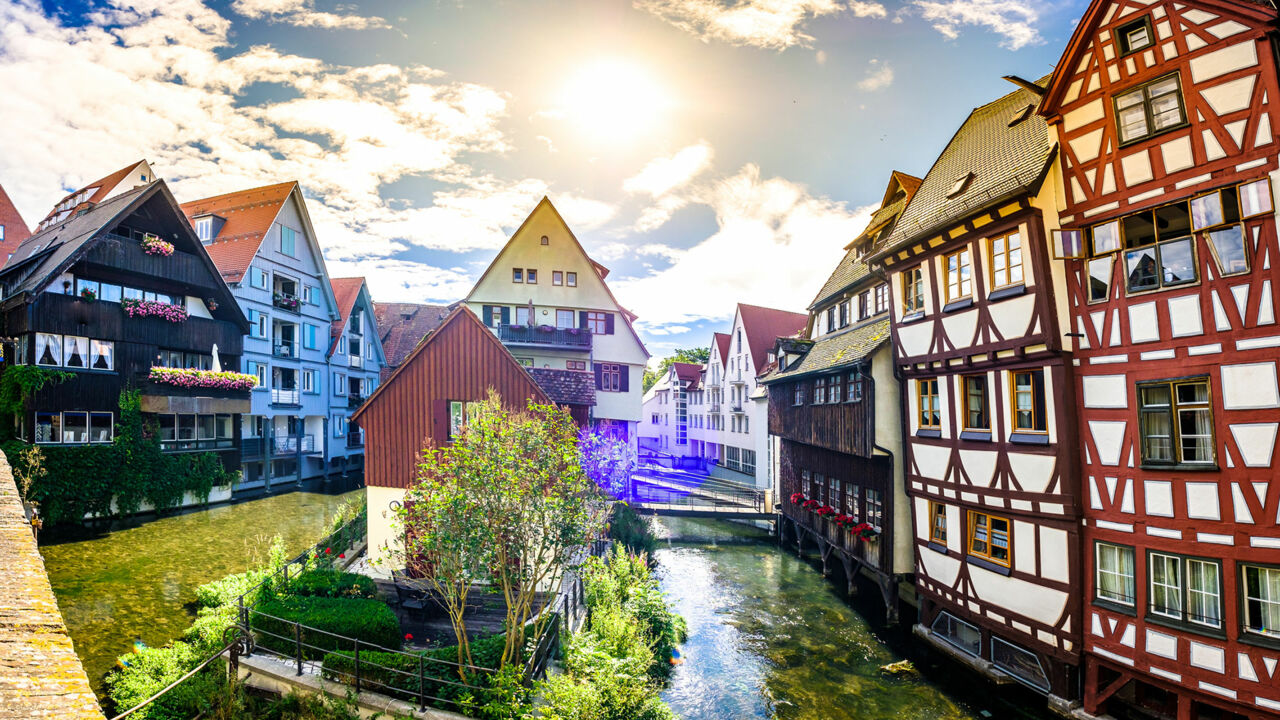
column 988, row 398
column 1181, row 530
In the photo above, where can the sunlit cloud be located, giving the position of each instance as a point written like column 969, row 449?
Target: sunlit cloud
column 769, row 24
column 879, row 76
column 665, row 174
column 1015, row 20
column 303, row 13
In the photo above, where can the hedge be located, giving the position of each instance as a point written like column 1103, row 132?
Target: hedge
column 370, row 621
column 399, row 671
column 334, row 584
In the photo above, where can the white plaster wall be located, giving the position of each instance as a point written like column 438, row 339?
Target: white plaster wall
column 381, row 537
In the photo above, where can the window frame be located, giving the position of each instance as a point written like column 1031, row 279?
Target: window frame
column 517, row 276
column 1037, row 412
column 557, row 278
column 965, row 252
column 1175, row 431
column 571, row 279
column 937, row 511
column 1183, row 617
column 1008, row 268
column 986, row 402
column 530, row 276
column 987, row 556
column 1130, row 604
column 1122, row 32
column 936, row 406
column 913, row 290
column 1248, row 633
column 1146, row 106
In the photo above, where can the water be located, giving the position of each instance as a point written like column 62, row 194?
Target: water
column 769, row 637
column 139, row 581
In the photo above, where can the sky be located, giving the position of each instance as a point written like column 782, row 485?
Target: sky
column 709, row 152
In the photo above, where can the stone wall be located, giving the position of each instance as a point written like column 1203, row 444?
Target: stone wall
column 40, row 675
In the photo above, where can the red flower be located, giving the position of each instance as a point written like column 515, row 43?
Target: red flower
column 408, row 636
column 342, row 555
column 328, row 551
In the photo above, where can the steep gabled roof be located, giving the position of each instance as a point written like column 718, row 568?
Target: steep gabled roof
column 722, row 343
column 15, row 228
column 688, row 373
column 346, row 292
column 403, row 325
column 840, row 350
column 92, row 194
column 248, row 215
column 989, row 160
column 765, row 325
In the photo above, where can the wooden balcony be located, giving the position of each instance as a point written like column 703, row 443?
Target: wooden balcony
column 72, row 315
column 121, row 259
column 545, row 336
column 846, row 427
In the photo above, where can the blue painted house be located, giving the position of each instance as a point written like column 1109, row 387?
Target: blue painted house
column 356, row 360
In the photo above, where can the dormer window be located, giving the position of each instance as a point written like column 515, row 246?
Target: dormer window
column 1021, row 115
column 962, row 183
column 1135, row 36
column 204, row 229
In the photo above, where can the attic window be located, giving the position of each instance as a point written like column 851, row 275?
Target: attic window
column 545, row 241
column 1135, row 36
column 962, row 184
column 1021, row 115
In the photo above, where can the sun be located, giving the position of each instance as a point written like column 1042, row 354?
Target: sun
column 613, row 99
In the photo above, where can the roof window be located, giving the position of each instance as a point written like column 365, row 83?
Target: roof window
column 962, row 184
column 1021, row 115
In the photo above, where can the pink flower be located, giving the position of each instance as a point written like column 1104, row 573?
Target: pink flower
column 151, row 308
column 153, row 245
column 191, row 378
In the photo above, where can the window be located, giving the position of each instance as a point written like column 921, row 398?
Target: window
column 853, row 387
column 819, row 391
column 1019, row 662
column 83, row 285
column 102, row 355
column 75, row 427
column 1176, row 423
column 834, row 385
column 1150, row 109
column 961, row 184
column 930, row 414
column 749, row 462
column 938, row 523
column 957, row 632
column 976, row 415
column 1255, row 198
column 610, row 377
column 258, row 370
column 875, row 508
column 101, row 427
column 959, row 279
column 831, row 318
column 571, row 279
column 75, row 351
column 557, row 277
column 48, row 427
column 1068, row 244
column 1158, row 247
column 339, row 385
column 1113, row 570
column 913, row 290
column 311, row 295
column 1185, row 589
column 1006, row 260
column 110, row 293
column 1230, row 252
column 1028, row 401
column 288, row 241
column 523, row 315
column 517, row 275
column 204, row 229
column 564, row 319
column 264, row 323
column 48, row 349
column 1100, row 278
column 339, row 425
column 575, row 364
column 798, row 395
column 525, row 361
column 544, row 240
column 531, row 276
column 258, row 277
column 989, row 537
column 1261, row 600
column 1134, row 37
column 881, row 298
column 309, row 336
column 853, row 500
column 309, row 381
column 599, row 323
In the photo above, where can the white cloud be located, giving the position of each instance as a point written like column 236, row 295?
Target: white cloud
column 1014, row 19
column 663, row 175
column 772, row 235
column 666, row 329
column 404, row 281
column 879, row 76
column 303, row 14
column 769, row 24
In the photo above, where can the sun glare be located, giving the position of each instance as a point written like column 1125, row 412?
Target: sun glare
column 612, row 99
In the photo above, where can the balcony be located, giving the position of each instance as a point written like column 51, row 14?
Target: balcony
column 285, row 301
column 284, row 349
column 545, row 336
column 285, row 396
column 355, row 361
column 293, row 444
column 252, row 447
column 355, row 438
column 354, row 401
column 736, row 408
column 122, row 254
column 173, row 446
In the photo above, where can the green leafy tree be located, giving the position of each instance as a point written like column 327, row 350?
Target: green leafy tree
column 697, row 356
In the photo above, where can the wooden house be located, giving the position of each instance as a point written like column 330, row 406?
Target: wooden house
column 835, row 409
column 84, row 295
column 1162, row 112
column 990, row 460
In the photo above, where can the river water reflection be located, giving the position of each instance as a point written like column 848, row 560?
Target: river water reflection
column 770, row 638
column 139, row 580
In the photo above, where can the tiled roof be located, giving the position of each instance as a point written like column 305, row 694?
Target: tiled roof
column 15, row 228
column 404, row 325
column 1005, row 162
column 765, row 325
column 838, row 350
column 346, row 291
column 722, row 342
column 566, row 387
column 248, row 215
column 101, row 187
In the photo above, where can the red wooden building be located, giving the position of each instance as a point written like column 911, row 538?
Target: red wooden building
column 425, row 401
column 1168, row 150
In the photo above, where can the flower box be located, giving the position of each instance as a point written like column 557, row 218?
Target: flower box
column 214, row 380
column 153, row 245
column 150, row 308
column 797, row 498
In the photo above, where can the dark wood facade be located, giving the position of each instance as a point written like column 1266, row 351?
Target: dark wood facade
column 99, row 248
column 1172, row 545
column 462, row 360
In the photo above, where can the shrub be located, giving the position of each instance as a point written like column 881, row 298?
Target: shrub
column 151, row 669
column 370, row 621
column 330, row 583
column 627, row 527
column 399, row 671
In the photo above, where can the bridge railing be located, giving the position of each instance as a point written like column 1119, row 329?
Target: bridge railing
column 700, row 494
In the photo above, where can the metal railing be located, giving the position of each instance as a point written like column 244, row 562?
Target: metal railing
column 252, row 447
column 284, row 396
column 289, row 444
column 284, row 348
column 355, row 361
column 355, row 438
column 354, row 401
column 545, row 335
column 285, row 301
column 680, row 489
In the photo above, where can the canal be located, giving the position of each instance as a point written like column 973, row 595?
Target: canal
column 140, row 580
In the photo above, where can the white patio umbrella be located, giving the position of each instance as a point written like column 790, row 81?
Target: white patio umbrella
column 217, row 364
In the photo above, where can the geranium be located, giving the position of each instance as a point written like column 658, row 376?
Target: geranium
column 88, row 294
column 151, row 308
column 288, row 302
column 153, row 245
column 408, row 636
column 186, row 377
column 811, row 504
column 797, row 498
column 865, row 531
column 826, row 510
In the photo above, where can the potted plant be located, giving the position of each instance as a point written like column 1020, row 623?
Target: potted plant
column 89, row 294
column 153, row 245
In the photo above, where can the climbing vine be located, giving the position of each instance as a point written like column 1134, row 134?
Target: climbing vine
column 19, row 382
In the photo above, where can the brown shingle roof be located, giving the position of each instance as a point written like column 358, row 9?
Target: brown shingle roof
column 404, row 325
column 15, row 228
column 765, row 325
column 1005, row 162
column 248, row 215
column 566, row 387
column 839, row 350
column 101, row 187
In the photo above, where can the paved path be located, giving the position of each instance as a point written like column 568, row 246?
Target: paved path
column 40, row 675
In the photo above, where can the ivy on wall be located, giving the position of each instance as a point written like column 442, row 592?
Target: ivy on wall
column 82, row 480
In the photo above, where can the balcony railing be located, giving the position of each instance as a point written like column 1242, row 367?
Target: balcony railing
column 170, row 446
column 354, row 401
column 252, row 447
column 736, row 407
column 285, row 349
column 355, row 438
column 545, row 335
column 285, row 301
column 282, row 396
column 292, row 444
column 355, row 361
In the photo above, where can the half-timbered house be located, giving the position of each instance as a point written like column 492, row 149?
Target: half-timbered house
column 834, row 407
column 1163, row 112
column 990, row 465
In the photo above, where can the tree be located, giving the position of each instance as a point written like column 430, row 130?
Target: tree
column 507, row 502
column 697, row 356
column 609, row 461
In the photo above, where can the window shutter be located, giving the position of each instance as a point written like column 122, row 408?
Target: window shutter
column 608, row 324
column 506, row 316
column 582, row 319
column 487, row 311
column 624, row 377
column 599, row 381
